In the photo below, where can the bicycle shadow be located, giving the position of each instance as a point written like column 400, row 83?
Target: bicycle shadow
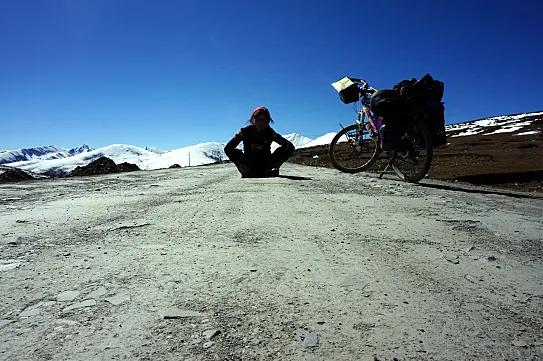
column 470, row 188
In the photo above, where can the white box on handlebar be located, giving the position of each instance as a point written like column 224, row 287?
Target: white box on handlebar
column 343, row 84
column 347, row 89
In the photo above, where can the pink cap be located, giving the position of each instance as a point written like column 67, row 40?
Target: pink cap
column 261, row 109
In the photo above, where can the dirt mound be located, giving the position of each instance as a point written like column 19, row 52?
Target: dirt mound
column 128, row 167
column 11, row 174
column 511, row 160
column 103, row 165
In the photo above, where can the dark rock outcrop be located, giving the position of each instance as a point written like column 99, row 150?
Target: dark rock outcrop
column 128, row 167
column 103, row 165
column 12, row 174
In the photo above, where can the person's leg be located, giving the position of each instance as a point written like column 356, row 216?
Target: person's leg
column 256, row 167
column 238, row 158
column 235, row 155
column 247, row 165
column 279, row 156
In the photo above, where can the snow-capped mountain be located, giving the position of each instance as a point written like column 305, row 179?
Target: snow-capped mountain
column 322, row 140
column 10, row 156
column 495, row 125
column 55, row 163
column 81, row 149
column 46, row 152
column 204, row 153
column 119, row 153
column 155, row 150
column 296, row 139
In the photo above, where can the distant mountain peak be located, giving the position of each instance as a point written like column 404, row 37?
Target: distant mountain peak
column 10, row 156
column 512, row 123
column 297, row 139
column 81, row 149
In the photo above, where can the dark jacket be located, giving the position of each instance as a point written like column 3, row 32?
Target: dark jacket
column 256, row 145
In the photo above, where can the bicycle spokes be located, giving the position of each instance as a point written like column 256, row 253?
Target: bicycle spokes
column 353, row 150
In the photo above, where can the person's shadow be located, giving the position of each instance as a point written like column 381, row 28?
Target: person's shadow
column 292, row 177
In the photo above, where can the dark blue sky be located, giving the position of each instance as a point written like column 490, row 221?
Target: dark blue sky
column 175, row 73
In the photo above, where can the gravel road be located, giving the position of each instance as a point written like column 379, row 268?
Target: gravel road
column 199, row 264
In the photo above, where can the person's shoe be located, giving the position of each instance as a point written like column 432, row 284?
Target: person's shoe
column 274, row 172
column 275, row 165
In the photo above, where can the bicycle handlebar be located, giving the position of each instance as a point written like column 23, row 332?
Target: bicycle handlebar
column 365, row 86
column 365, row 83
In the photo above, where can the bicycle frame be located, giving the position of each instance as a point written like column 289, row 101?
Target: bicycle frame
column 365, row 112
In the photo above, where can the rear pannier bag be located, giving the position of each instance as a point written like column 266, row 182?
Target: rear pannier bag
column 435, row 118
column 397, row 132
column 427, row 94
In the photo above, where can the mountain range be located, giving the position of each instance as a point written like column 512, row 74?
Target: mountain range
column 45, row 152
column 55, row 161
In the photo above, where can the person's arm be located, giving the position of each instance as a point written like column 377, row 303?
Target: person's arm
column 233, row 143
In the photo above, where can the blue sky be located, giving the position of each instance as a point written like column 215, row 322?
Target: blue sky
column 175, row 73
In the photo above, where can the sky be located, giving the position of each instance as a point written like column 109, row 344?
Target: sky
column 174, row 73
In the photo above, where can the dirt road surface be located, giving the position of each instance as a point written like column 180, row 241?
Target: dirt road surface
column 199, row 264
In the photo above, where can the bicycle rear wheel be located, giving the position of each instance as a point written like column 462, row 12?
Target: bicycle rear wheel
column 353, row 150
column 413, row 164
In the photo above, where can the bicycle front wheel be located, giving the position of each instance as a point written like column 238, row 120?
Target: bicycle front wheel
column 413, row 164
column 353, row 149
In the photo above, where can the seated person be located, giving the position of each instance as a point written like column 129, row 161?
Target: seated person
column 257, row 160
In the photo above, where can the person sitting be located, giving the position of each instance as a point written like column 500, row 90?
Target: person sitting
column 256, row 160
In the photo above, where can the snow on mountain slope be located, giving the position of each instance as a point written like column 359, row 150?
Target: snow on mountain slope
column 296, row 139
column 46, row 152
column 204, row 153
column 155, row 150
column 81, row 149
column 10, row 156
column 322, row 140
column 119, row 153
column 493, row 125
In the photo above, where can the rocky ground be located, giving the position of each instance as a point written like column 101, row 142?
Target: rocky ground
column 199, row 264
